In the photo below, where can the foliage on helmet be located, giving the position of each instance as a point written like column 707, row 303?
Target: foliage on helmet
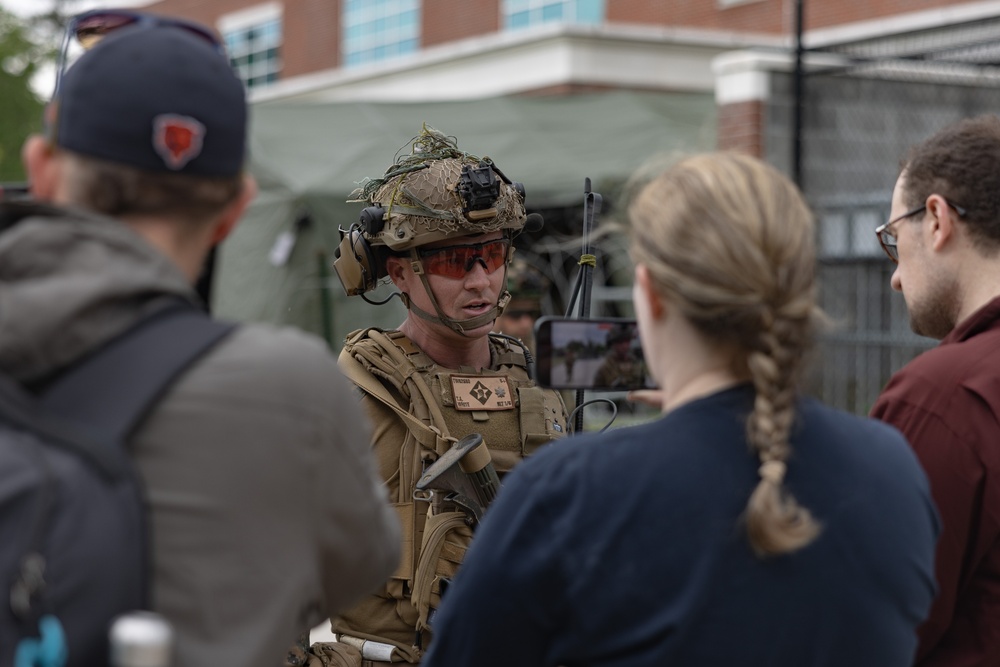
column 437, row 191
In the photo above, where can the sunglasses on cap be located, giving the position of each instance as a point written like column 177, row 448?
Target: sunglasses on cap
column 87, row 30
column 454, row 261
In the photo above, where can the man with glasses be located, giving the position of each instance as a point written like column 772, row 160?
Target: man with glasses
column 438, row 224
column 264, row 509
column 944, row 235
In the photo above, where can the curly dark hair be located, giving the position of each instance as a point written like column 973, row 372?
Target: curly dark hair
column 962, row 164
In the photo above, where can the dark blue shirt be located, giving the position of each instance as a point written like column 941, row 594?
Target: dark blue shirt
column 628, row 548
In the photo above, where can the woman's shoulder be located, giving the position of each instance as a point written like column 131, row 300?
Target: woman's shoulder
column 865, row 443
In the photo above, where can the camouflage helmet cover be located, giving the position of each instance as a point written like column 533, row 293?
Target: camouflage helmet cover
column 438, row 192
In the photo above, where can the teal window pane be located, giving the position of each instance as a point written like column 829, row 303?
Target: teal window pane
column 552, row 12
column 379, row 29
column 518, row 20
column 589, row 11
column 254, row 52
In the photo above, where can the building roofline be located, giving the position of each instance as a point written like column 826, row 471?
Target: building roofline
column 901, row 23
column 505, row 45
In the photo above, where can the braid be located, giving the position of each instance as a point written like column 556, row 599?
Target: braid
column 744, row 277
column 776, row 523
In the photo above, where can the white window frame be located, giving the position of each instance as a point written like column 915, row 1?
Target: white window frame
column 393, row 38
column 246, row 19
column 535, row 7
column 726, row 4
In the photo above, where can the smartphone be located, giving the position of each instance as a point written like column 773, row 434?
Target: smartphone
column 601, row 354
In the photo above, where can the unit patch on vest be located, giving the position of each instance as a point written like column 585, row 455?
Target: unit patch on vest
column 475, row 392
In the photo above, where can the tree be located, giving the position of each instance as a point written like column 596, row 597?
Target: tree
column 20, row 107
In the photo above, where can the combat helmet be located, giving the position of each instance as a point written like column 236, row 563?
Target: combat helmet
column 527, row 286
column 434, row 192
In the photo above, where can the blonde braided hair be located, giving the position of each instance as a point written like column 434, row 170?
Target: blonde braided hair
column 729, row 241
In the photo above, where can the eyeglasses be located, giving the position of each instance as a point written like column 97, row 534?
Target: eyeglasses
column 454, row 261
column 888, row 240
column 89, row 28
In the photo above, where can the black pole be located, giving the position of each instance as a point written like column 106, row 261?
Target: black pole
column 591, row 205
column 799, row 92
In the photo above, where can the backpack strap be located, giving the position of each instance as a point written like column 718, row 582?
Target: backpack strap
column 97, row 403
column 115, row 388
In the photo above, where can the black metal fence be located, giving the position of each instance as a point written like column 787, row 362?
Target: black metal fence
column 863, row 104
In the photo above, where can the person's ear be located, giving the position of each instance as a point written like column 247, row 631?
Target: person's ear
column 657, row 306
column 233, row 213
column 42, row 166
column 397, row 269
column 944, row 221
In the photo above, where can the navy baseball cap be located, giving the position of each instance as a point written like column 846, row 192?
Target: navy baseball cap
column 155, row 97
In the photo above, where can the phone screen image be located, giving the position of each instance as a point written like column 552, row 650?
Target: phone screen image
column 602, row 354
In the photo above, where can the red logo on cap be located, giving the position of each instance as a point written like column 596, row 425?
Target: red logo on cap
column 178, row 139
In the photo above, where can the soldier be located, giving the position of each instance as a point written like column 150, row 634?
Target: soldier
column 526, row 285
column 621, row 367
column 439, row 224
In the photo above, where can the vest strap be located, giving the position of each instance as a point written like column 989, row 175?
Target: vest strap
column 426, row 434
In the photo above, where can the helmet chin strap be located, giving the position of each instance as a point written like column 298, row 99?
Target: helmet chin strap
column 458, row 326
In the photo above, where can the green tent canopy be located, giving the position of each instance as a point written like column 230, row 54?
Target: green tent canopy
column 308, row 158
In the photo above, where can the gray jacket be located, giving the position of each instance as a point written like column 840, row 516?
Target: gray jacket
column 266, row 514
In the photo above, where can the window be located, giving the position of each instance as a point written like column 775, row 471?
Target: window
column 520, row 14
column 253, row 41
column 375, row 30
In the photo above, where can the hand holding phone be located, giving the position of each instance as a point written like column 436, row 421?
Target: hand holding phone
column 602, row 354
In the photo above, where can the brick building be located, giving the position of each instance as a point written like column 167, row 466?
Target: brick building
column 341, row 50
column 875, row 77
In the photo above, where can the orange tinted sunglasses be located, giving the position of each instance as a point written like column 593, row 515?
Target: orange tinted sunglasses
column 454, row 261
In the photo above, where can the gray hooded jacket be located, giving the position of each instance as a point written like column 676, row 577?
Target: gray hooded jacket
column 265, row 512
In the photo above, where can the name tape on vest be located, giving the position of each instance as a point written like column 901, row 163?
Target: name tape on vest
column 475, row 392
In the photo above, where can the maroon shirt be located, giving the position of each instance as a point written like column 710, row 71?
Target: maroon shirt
column 947, row 404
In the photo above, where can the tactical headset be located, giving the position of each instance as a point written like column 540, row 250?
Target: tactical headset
column 359, row 265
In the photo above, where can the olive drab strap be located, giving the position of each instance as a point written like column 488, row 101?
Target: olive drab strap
column 402, row 360
column 427, row 435
column 428, row 571
column 428, row 429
